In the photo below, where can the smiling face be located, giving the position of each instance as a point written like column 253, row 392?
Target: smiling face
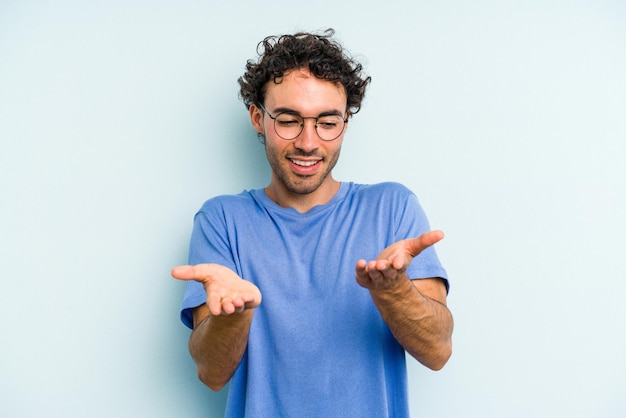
column 302, row 167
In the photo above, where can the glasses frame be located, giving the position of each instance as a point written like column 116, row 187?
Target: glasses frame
column 315, row 118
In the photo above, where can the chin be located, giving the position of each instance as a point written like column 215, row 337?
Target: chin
column 304, row 187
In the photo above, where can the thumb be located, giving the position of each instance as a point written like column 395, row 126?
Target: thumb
column 419, row 244
column 184, row 273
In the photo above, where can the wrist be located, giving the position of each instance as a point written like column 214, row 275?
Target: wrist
column 399, row 289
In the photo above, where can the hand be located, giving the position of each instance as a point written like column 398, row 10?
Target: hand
column 390, row 266
column 227, row 293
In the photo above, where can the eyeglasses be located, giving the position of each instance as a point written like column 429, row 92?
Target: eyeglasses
column 290, row 125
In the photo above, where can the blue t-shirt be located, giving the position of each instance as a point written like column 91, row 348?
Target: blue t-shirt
column 317, row 345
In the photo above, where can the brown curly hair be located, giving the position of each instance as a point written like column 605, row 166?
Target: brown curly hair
column 324, row 57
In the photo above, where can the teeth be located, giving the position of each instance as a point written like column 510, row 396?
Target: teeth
column 304, row 163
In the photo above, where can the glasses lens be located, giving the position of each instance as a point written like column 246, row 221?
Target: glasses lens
column 329, row 127
column 289, row 126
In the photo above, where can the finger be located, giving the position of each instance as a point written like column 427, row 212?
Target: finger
column 235, row 305
column 361, row 269
column 379, row 265
column 399, row 263
column 419, row 244
column 182, row 272
column 198, row 272
column 228, row 307
column 238, row 302
column 361, row 264
column 239, row 305
column 392, row 269
column 375, row 270
column 214, row 302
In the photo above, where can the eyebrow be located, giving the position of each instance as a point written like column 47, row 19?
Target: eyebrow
column 279, row 110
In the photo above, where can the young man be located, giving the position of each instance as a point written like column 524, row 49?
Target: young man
column 280, row 296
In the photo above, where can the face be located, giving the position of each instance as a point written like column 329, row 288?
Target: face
column 301, row 166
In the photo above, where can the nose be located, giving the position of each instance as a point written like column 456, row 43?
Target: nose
column 308, row 140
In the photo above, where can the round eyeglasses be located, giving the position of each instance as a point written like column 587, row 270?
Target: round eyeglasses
column 290, row 125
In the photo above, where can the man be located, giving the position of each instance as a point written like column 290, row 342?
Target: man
column 280, row 296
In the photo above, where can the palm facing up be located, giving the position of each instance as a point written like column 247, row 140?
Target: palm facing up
column 227, row 293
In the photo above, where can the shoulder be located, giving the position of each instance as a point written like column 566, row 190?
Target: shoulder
column 228, row 202
column 227, row 208
column 388, row 197
column 387, row 190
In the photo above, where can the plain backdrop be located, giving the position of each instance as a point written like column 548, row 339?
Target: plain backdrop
column 118, row 119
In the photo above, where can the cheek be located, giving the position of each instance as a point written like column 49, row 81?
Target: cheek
column 273, row 145
column 336, row 146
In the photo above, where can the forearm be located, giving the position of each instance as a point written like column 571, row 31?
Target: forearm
column 423, row 326
column 217, row 345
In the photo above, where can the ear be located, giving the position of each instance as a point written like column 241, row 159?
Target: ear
column 348, row 116
column 256, row 118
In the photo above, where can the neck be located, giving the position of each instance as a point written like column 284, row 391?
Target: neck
column 302, row 202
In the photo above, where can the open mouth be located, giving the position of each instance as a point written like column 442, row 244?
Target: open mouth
column 304, row 163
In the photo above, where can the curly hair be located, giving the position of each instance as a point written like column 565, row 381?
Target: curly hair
column 324, row 57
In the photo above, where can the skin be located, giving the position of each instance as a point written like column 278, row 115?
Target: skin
column 294, row 185
column 414, row 310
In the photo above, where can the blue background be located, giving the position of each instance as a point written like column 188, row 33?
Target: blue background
column 119, row 118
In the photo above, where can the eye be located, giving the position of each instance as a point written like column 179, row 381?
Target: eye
column 288, row 120
column 329, row 122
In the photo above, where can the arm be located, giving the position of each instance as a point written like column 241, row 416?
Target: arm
column 414, row 310
column 221, row 326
